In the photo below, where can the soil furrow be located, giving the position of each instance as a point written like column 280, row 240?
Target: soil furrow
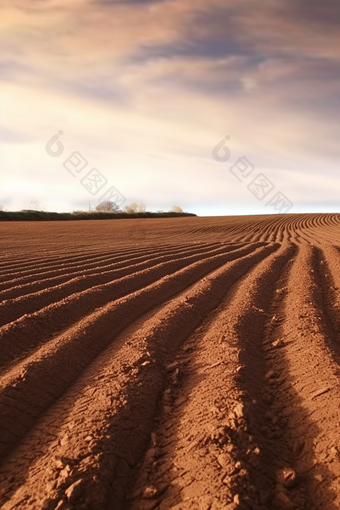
column 41, row 267
column 303, row 392
column 93, row 260
column 21, row 336
column 213, row 457
column 12, row 309
column 19, row 288
column 81, row 344
column 15, row 262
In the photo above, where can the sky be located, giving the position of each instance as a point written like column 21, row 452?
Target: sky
column 144, row 91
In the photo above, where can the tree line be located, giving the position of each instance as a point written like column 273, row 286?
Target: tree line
column 133, row 207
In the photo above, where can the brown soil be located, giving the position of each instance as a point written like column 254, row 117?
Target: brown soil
column 181, row 363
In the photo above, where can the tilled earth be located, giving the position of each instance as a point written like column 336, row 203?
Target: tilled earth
column 181, row 363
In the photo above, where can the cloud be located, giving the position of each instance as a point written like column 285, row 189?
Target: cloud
column 154, row 85
column 320, row 14
column 113, row 3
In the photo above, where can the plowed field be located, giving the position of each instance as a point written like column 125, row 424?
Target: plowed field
column 181, row 363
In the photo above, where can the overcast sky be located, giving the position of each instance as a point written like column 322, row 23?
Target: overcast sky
column 145, row 90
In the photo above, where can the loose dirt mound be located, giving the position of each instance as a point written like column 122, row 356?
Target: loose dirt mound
column 183, row 363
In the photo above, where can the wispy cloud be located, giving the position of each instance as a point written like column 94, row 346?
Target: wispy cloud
column 149, row 87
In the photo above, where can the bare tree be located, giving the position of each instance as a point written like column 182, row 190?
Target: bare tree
column 135, row 207
column 107, row 206
column 176, row 208
column 34, row 205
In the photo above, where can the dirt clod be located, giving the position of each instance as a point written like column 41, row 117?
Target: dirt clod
column 149, row 492
column 75, row 490
column 287, row 477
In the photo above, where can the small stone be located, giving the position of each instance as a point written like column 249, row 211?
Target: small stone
column 149, row 492
column 318, row 478
column 334, row 452
column 287, row 477
column 270, row 374
column 60, row 504
column 224, row 460
column 231, row 415
column 171, row 366
column 227, row 480
column 75, row 490
column 64, row 473
column 174, row 377
column 239, row 410
column 232, row 425
column 236, row 499
column 88, row 439
column 59, row 464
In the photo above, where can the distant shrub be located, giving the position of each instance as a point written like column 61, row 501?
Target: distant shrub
column 32, row 215
column 107, row 206
column 176, row 209
column 135, row 207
